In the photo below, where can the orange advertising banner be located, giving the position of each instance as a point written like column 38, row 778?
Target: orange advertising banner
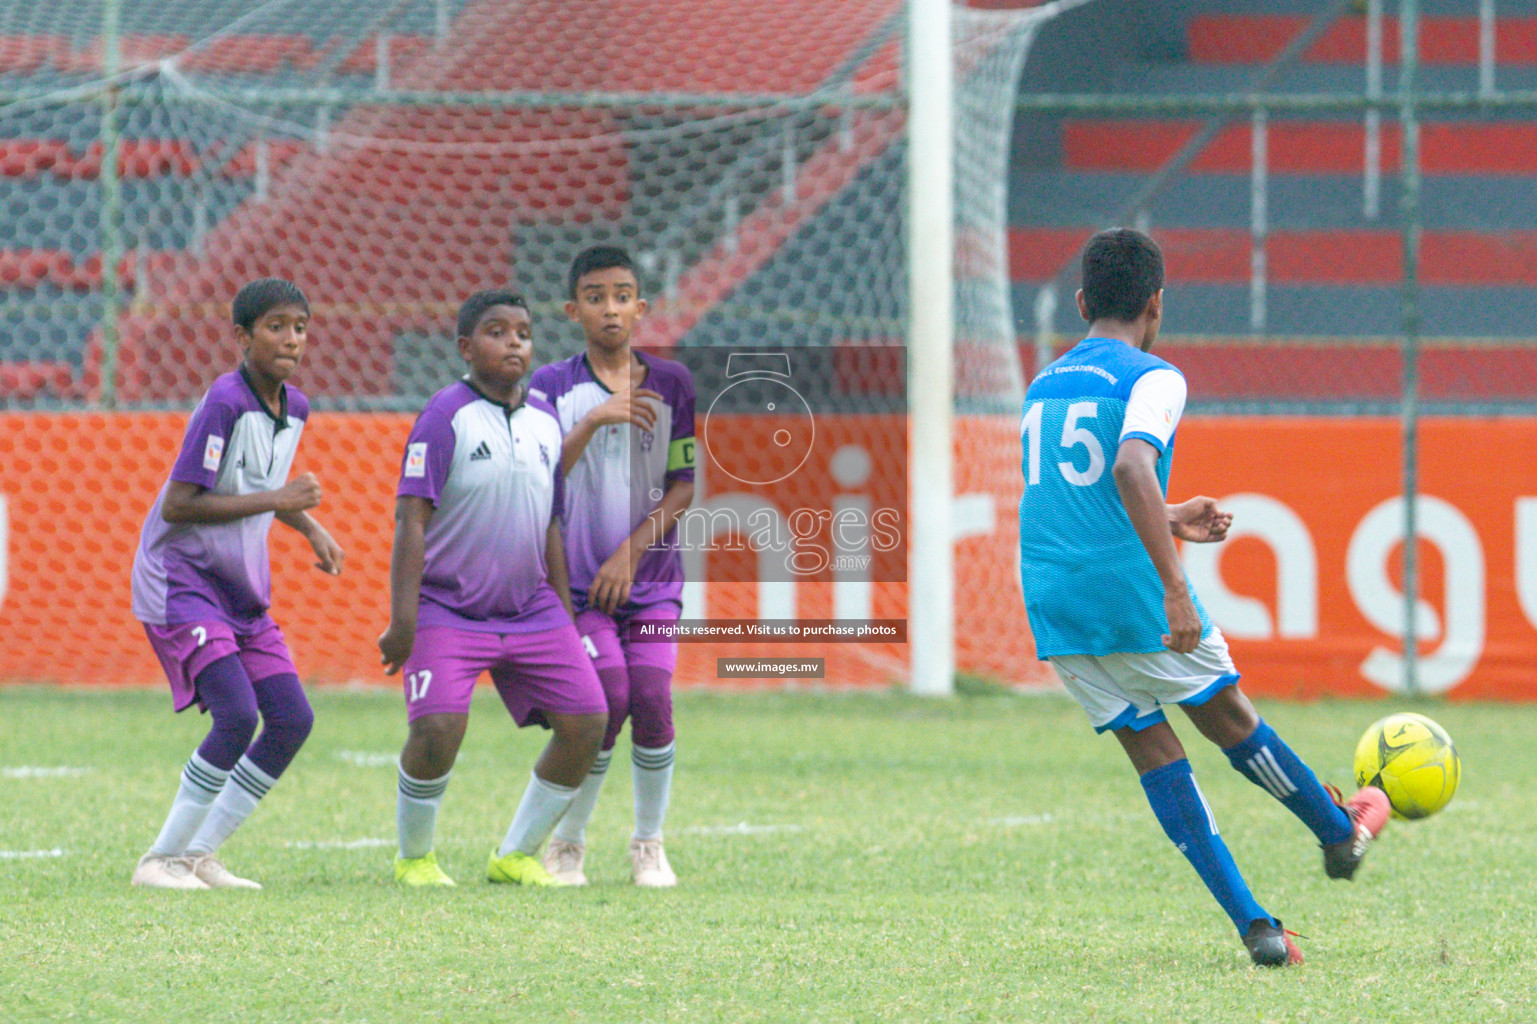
column 1308, row 588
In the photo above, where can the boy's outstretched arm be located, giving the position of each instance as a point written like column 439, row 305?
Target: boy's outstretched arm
column 1136, row 479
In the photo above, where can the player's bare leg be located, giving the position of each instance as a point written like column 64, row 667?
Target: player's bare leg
column 573, row 745
column 1343, row 828
column 1227, row 719
column 433, row 744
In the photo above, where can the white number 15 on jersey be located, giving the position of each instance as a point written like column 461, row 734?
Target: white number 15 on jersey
column 1072, row 436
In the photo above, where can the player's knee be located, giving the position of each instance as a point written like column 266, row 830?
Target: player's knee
column 1228, row 718
column 434, row 743
column 297, row 722
column 582, row 733
column 651, row 733
column 650, row 709
column 238, row 723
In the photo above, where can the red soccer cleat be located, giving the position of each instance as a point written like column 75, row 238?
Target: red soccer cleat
column 1369, row 810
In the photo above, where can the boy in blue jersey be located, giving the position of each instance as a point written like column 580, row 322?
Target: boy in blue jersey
column 1109, row 603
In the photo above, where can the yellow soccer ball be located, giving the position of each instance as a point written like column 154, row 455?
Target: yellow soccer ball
column 1412, row 760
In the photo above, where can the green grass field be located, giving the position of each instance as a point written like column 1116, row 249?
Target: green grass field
column 843, row 858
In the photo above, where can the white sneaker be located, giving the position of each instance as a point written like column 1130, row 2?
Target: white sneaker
column 563, row 861
column 161, row 872
column 649, row 863
column 217, row 876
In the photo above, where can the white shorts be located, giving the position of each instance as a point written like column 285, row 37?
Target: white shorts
column 1128, row 690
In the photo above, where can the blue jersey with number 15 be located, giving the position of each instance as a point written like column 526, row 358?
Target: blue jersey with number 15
column 1090, row 586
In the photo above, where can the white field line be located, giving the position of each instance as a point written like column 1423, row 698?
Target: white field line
column 741, row 828
column 30, row 854
column 366, row 758
column 32, row 771
column 339, row 844
column 1018, row 820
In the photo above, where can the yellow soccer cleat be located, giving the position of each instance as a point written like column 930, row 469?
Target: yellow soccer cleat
column 518, row 868
column 416, row 871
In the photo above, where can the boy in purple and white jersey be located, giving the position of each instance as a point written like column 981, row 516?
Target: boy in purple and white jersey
column 478, row 583
column 202, row 586
column 629, row 462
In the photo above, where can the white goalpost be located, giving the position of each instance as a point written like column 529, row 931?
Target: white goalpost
column 963, row 68
column 931, row 342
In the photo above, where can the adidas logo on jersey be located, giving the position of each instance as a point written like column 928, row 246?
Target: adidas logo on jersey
column 482, row 452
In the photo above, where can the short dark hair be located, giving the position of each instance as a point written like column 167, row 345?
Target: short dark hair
column 1122, row 270
column 476, row 306
column 254, row 300
column 598, row 257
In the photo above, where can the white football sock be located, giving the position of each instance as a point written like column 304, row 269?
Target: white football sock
column 416, row 812
column 572, row 827
column 200, row 784
column 542, row 805
column 246, row 786
column 652, row 771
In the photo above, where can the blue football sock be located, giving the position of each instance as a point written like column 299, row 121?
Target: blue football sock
column 1182, row 811
column 1270, row 764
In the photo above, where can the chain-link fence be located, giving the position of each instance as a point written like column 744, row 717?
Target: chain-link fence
column 1343, row 191
column 393, row 157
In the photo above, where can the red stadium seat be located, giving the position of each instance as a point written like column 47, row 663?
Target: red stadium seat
column 250, row 54
column 22, row 54
column 22, row 158
column 137, row 158
column 402, row 50
column 1257, row 38
column 27, row 380
column 1300, row 147
column 633, row 47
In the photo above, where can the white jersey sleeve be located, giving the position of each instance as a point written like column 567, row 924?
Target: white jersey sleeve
column 1153, row 409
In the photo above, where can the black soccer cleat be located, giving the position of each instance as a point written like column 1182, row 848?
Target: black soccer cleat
column 1271, row 945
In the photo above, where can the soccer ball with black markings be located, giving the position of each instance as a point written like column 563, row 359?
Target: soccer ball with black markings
column 1413, row 760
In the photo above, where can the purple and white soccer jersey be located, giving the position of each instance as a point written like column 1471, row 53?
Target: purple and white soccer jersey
column 492, row 474
column 622, row 473
column 202, row 589
column 193, row 572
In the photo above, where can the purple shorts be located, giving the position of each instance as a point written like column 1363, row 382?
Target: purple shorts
column 607, row 638
column 547, row 670
column 187, row 648
column 636, row 678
